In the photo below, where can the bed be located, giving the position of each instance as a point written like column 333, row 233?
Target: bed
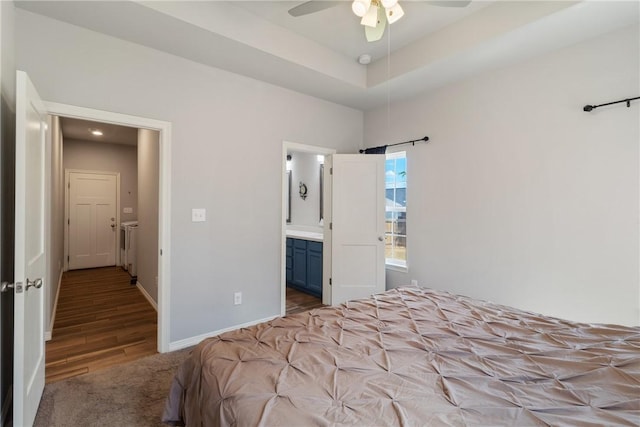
column 412, row 356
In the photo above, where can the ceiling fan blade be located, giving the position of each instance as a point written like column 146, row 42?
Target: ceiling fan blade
column 311, row 7
column 375, row 33
column 449, row 3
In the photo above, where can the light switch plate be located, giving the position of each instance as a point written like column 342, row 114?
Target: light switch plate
column 198, row 215
column 127, row 210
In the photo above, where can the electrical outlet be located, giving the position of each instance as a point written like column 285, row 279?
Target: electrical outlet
column 237, row 298
column 414, row 282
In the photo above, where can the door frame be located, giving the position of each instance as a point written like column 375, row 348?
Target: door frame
column 67, row 212
column 311, row 149
column 164, row 197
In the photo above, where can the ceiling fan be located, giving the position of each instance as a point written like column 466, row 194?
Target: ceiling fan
column 374, row 13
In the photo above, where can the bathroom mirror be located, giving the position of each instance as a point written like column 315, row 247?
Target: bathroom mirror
column 288, row 197
column 321, row 191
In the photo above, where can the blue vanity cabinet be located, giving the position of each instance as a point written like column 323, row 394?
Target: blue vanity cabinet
column 304, row 266
column 289, row 260
column 314, row 268
column 299, row 263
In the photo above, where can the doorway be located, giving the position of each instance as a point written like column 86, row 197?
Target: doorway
column 303, row 203
column 162, row 252
column 104, row 314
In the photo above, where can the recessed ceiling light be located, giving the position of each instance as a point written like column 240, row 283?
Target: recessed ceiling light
column 96, row 132
column 364, row 59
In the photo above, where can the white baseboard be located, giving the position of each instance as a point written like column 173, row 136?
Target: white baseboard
column 147, row 296
column 188, row 342
column 48, row 334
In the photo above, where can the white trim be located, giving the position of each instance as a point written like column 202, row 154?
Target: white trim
column 164, row 202
column 47, row 225
column 188, row 342
column 147, row 296
column 287, row 147
column 48, row 334
column 396, row 267
column 67, row 180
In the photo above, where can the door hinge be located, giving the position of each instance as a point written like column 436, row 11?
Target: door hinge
column 160, row 252
column 330, row 281
column 67, row 258
column 330, row 171
column 68, row 185
column 68, row 221
column 330, row 226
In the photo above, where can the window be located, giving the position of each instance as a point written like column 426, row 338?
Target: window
column 396, row 209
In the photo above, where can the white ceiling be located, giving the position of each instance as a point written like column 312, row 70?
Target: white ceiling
column 338, row 29
column 316, row 54
column 81, row 130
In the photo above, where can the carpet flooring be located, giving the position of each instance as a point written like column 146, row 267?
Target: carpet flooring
column 132, row 395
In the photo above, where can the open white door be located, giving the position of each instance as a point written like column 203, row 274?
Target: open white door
column 357, row 226
column 30, row 255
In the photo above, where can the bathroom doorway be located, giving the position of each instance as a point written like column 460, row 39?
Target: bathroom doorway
column 302, row 226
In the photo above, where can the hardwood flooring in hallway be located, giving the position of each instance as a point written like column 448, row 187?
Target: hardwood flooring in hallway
column 101, row 320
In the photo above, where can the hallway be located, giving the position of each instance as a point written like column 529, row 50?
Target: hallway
column 101, row 320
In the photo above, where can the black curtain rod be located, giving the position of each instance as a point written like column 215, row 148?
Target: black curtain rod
column 381, row 149
column 593, row 107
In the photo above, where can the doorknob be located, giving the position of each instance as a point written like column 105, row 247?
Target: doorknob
column 113, row 226
column 381, row 238
column 35, row 284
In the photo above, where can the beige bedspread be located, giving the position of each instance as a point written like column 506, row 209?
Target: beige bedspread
column 413, row 357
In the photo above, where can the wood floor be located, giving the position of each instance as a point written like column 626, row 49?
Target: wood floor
column 102, row 320
column 299, row 301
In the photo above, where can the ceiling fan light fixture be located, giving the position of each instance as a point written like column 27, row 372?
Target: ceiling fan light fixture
column 360, row 7
column 388, row 4
column 394, row 13
column 370, row 19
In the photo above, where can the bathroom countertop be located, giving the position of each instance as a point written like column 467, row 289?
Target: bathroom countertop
column 305, row 235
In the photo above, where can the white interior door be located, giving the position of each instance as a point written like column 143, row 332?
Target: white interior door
column 30, row 255
column 92, row 220
column 357, row 226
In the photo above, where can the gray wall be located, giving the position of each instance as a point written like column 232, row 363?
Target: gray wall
column 91, row 155
column 148, row 179
column 7, row 179
column 56, row 224
column 521, row 197
column 227, row 133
